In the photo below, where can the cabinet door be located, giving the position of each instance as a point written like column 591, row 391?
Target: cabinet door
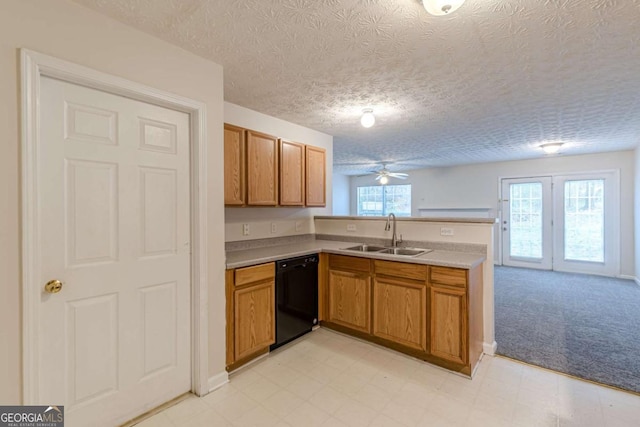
column 262, row 169
column 254, row 318
column 291, row 173
column 349, row 299
column 315, row 176
column 400, row 312
column 234, row 163
column 448, row 324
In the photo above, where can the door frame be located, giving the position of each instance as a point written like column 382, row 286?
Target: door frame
column 615, row 213
column 34, row 66
column 546, row 262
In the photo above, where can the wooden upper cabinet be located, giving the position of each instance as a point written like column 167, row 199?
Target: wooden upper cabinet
column 315, row 176
column 262, row 169
column 292, row 173
column 234, row 164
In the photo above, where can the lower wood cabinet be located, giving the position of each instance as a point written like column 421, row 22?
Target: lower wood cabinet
column 430, row 312
column 254, row 318
column 250, row 312
column 399, row 312
column 400, row 305
column 448, row 325
column 349, row 299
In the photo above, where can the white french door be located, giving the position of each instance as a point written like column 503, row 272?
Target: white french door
column 587, row 220
column 527, row 222
column 114, row 227
column 562, row 222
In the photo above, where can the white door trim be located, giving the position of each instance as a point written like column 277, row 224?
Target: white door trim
column 615, row 211
column 34, row 66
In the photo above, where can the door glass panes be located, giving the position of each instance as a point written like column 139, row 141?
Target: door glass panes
column 526, row 220
column 381, row 200
column 584, row 220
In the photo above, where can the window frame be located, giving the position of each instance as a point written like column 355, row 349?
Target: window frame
column 384, row 201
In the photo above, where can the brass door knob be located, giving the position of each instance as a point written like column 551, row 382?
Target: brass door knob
column 53, row 286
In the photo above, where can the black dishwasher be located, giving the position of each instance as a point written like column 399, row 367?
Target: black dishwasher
column 296, row 298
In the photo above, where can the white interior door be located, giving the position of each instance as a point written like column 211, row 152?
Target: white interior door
column 115, row 229
column 527, row 222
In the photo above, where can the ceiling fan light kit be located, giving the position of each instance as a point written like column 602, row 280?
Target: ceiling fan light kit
column 368, row 119
column 384, row 174
column 441, row 7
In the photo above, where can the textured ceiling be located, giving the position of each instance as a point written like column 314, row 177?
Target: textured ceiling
column 489, row 82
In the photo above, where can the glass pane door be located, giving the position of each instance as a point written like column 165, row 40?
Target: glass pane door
column 587, row 223
column 526, row 222
column 584, row 220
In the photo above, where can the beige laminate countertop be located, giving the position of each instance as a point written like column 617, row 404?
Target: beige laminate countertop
column 243, row 258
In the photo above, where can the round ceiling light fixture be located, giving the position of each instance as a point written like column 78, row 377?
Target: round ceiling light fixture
column 441, row 7
column 384, row 180
column 551, row 147
column 368, row 119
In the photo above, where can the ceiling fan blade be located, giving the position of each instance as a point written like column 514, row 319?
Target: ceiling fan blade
column 399, row 175
column 378, row 177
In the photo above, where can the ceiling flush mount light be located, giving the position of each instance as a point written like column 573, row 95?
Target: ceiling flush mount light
column 551, row 147
column 368, row 119
column 384, row 180
column 441, row 7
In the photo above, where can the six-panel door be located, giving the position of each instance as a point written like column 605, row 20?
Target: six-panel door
column 113, row 208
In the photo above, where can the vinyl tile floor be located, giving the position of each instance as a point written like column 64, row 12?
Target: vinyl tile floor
column 328, row 379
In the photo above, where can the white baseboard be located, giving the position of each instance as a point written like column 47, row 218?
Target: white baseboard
column 218, row 380
column 628, row 277
column 490, row 348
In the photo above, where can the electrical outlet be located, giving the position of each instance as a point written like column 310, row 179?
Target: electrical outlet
column 245, row 230
column 351, row 227
column 298, row 225
column 274, row 228
column 445, row 231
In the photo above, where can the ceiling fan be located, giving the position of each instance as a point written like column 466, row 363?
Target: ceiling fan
column 384, row 174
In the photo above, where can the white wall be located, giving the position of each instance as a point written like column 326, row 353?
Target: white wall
column 74, row 33
column 476, row 186
column 636, row 180
column 285, row 219
column 341, row 193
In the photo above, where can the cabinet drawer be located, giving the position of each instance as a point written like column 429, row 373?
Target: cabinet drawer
column 401, row 269
column 448, row 276
column 342, row 262
column 255, row 273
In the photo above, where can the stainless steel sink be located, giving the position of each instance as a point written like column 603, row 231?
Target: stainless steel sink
column 365, row 248
column 408, row 252
column 405, row 251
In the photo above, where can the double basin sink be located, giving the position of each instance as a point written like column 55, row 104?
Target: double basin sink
column 407, row 252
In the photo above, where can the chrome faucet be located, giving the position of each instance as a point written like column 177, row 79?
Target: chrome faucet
column 387, row 227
